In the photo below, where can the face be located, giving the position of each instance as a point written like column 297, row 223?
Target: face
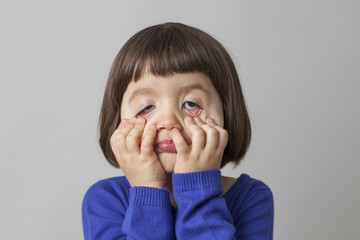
column 166, row 101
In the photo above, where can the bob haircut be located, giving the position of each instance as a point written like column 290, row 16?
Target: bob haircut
column 170, row 48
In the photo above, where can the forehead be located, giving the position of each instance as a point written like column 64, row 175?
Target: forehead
column 150, row 84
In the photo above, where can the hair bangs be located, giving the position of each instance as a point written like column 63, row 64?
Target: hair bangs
column 169, row 51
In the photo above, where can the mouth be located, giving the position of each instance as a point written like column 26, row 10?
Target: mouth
column 165, row 146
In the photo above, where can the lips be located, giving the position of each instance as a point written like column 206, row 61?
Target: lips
column 167, row 146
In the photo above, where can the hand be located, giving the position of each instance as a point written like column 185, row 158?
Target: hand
column 137, row 158
column 208, row 145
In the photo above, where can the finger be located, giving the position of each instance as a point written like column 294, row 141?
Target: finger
column 211, row 122
column 134, row 136
column 211, row 135
column 118, row 138
column 147, row 144
column 197, row 134
column 179, row 141
column 123, row 123
column 223, row 137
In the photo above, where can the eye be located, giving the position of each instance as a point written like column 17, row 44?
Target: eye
column 145, row 111
column 192, row 108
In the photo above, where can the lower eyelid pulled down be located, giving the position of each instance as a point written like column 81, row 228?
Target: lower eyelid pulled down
column 193, row 112
column 144, row 112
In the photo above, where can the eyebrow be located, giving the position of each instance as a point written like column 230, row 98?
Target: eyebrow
column 141, row 91
column 194, row 86
column 151, row 91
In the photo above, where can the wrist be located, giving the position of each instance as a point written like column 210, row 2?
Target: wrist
column 150, row 196
column 149, row 184
column 197, row 180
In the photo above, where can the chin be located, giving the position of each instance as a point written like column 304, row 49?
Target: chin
column 167, row 161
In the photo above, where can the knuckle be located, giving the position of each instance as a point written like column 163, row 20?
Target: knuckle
column 130, row 140
column 145, row 146
column 122, row 132
column 198, row 132
column 181, row 147
column 212, row 132
column 135, row 135
column 115, row 137
column 224, row 132
column 135, row 132
column 137, row 128
column 182, row 144
column 145, row 149
column 149, row 134
column 130, row 136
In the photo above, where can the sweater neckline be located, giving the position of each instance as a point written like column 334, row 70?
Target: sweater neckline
column 233, row 187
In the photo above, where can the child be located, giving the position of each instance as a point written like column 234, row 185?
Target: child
column 173, row 114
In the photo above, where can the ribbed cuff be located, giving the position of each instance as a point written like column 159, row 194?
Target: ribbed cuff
column 209, row 179
column 150, row 196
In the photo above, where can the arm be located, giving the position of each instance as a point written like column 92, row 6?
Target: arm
column 247, row 213
column 107, row 213
column 149, row 215
column 202, row 214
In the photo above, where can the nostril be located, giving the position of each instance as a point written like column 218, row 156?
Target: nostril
column 168, row 123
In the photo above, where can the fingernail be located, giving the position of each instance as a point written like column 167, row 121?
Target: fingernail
column 132, row 120
column 124, row 121
column 189, row 119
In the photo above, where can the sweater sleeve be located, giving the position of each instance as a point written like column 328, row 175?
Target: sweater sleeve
column 202, row 213
column 109, row 212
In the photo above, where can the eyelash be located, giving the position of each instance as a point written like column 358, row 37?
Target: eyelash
column 147, row 108
column 150, row 107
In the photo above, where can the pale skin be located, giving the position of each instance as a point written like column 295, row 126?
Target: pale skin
column 184, row 108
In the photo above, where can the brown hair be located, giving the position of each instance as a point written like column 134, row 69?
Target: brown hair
column 170, row 48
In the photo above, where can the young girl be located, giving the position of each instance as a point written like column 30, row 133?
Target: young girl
column 173, row 114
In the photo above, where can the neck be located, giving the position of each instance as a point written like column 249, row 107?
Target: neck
column 168, row 186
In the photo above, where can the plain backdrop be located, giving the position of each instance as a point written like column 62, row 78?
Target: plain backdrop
column 299, row 65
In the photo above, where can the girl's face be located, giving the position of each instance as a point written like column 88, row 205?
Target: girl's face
column 166, row 101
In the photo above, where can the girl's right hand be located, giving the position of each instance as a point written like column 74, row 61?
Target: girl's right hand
column 137, row 158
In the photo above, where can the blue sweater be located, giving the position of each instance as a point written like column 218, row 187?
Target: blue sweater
column 112, row 209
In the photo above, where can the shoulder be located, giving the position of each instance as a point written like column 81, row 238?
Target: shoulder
column 104, row 203
column 250, row 202
column 253, row 184
column 108, row 190
column 247, row 190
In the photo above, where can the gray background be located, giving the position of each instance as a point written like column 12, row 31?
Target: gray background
column 299, row 66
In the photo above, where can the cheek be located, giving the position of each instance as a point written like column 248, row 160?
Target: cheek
column 216, row 114
column 125, row 112
column 220, row 121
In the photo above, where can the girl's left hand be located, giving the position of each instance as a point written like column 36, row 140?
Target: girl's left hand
column 208, row 145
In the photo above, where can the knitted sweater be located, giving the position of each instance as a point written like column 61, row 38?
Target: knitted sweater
column 112, row 209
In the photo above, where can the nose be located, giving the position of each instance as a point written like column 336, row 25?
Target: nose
column 168, row 118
